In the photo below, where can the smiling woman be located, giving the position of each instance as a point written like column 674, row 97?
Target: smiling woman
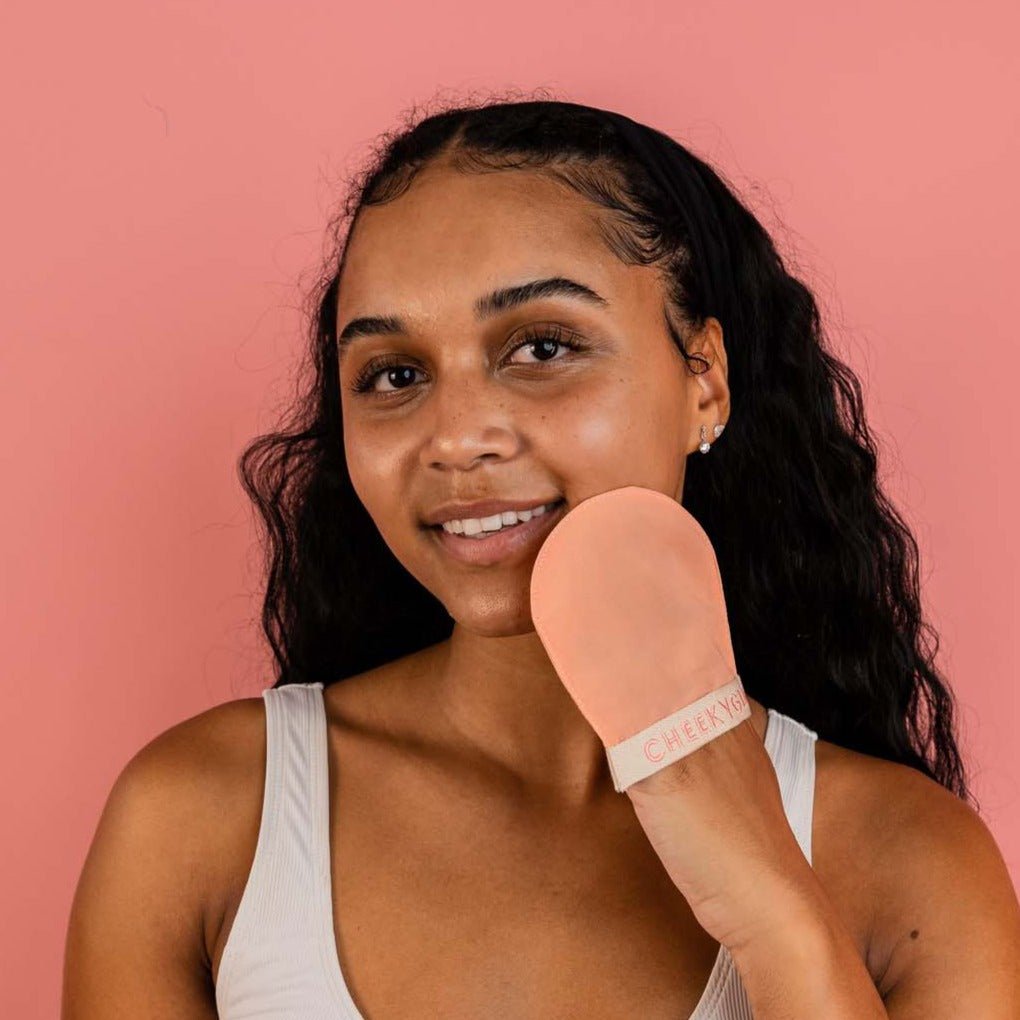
column 529, row 304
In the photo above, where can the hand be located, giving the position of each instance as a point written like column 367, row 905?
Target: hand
column 716, row 821
column 628, row 600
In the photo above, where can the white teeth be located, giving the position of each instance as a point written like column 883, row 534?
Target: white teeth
column 506, row 519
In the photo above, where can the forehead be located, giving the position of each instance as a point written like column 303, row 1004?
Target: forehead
column 454, row 233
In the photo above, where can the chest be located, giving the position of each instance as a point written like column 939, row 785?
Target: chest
column 443, row 907
column 451, row 897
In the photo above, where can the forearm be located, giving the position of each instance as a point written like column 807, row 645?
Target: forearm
column 807, row 967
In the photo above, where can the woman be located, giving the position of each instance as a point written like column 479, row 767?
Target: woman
column 536, row 302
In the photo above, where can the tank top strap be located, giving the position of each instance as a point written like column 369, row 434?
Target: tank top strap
column 295, row 742
column 273, row 947
column 791, row 746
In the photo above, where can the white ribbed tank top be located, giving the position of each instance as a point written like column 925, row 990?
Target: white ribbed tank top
column 280, row 961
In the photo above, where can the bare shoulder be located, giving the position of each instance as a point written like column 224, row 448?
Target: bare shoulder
column 200, row 778
column 215, row 761
column 944, row 925
column 136, row 933
column 216, row 734
column 195, row 763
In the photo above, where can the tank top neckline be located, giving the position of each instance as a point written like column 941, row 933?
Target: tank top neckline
column 718, row 978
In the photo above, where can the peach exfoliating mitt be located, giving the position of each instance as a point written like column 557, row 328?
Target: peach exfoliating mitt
column 627, row 600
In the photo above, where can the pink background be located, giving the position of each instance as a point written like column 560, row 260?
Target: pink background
column 169, row 169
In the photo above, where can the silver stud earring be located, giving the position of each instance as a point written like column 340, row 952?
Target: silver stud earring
column 705, row 445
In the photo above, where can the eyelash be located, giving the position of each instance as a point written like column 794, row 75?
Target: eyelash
column 366, row 377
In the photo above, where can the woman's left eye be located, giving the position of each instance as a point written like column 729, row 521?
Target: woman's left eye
column 549, row 337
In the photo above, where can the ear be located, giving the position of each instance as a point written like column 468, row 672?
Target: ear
column 712, row 406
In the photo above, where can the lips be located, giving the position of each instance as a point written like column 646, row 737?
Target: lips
column 499, row 546
column 461, row 510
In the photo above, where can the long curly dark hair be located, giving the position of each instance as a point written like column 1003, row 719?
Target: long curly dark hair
column 819, row 569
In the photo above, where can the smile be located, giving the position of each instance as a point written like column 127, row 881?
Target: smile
column 495, row 546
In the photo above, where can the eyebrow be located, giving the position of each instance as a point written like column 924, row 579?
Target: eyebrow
column 486, row 307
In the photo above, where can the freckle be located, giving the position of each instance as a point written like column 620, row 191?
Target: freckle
column 914, row 934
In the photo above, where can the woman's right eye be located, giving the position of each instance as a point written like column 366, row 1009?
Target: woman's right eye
column 388, row 363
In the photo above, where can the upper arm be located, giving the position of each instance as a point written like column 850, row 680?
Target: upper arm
column 135, row 940
column 950, row 917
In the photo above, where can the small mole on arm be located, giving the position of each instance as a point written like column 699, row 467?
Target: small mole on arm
column 914, row 934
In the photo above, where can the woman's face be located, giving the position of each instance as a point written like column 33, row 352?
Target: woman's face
column 472, row 405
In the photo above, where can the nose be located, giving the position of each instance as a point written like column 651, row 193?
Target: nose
column 468, row 420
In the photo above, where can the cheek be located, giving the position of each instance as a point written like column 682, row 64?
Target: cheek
column 358, row 466
column 625, row 429
column 372, row 466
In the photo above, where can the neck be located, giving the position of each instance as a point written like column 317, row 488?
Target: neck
column 498, row 699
